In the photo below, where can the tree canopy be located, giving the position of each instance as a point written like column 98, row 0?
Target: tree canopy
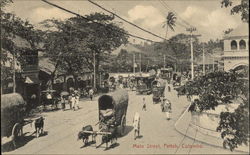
column 223, row 88
column 72, row 43
column 242, row 8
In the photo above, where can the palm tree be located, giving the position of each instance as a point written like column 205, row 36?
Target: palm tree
column 170, row 22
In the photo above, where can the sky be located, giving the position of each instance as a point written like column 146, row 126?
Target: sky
column 207, row 16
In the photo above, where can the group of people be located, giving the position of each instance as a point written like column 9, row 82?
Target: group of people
column 166, row 106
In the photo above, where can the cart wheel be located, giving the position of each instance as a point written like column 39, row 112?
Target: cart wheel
column 123, row 125
column 16, row 132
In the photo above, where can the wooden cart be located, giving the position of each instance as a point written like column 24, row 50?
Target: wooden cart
column 158, row 89
column 12, row 117
column 116, row 103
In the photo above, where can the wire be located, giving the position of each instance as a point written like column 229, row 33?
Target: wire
column 193, row 142
column 78, row 15
column 185, row 135
column 126, row 20
column 167, row 7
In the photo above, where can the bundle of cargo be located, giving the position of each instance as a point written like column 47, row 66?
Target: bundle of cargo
column 12, row 115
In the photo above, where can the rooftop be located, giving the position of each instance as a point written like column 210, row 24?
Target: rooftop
column 240, row 31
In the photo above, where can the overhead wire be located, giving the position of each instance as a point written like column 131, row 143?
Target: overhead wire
column 78, row 15
column 181, row 19
column 125, row 20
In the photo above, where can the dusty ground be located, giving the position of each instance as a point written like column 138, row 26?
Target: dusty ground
column 157, row 134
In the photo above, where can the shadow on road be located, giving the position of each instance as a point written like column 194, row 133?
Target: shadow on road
column 128, row 129
column 19, row 143
column 139, row 137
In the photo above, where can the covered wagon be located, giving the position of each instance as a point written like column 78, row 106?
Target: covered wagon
column 113, row 108
column 158, row 88
column 12, row 116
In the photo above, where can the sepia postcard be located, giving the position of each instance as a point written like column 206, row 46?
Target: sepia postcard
column 124, row 76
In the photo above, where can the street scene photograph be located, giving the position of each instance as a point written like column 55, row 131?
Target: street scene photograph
column 124, row 76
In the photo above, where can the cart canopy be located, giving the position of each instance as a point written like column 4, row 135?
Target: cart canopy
column 113, row 100
column 114, row 104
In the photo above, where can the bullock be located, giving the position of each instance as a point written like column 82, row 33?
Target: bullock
column 85, row 136
column 109, row 137
column 136, row 124
column 39, row 123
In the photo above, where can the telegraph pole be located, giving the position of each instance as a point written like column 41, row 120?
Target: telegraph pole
column 191, row 30
column 134, row 63
column 192, row 52
column 14, row 71
column 164, row 61
column 203, row 55
column 94, row 71
column 213, row 60
column 140, row 62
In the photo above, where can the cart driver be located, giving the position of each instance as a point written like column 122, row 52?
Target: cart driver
column 107, row 115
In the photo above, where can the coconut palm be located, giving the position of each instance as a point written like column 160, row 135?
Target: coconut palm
column 170, row 22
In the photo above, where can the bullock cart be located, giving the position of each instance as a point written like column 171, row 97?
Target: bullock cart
column 12, row 118
column 158, row 88
column 112, row 110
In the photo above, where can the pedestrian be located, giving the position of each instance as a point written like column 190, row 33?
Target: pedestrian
column 91, row 93
column 144, row 104
column 167, row 109
column 136, row 125
column 77, row 98
column 73, row 101
column 63, row 100
column 49, row 98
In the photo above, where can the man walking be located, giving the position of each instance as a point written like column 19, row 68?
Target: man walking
column 77, row 98
column 144, row 104
column 91, row 93
column 167, row 109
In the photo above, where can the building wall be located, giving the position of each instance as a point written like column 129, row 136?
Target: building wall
column 234, row 57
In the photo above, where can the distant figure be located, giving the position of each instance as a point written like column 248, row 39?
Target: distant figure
column 144, row 104
column 91, row 93
column 167, row 109
column 136, row 125
column 33, row 100
column 49, row 98
column 73, row 101
column 77, row 98
column 63, row 100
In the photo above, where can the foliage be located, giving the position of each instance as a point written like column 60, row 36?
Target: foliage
column 170, row 21
column 14, row 29
column 71, row 44
column 219, row 88
column 242, row 8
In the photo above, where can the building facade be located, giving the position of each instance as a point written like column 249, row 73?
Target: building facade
column 236, row 48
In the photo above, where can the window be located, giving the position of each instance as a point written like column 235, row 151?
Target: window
column 242, row 44
column 233, row 45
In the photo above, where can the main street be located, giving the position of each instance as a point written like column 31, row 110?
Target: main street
column 157, row 134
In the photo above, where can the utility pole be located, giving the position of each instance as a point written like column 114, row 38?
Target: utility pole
column 134, row 63
column 192, row 52
column 14, row 71
column 213, row 60
column 203, row 55
column 164, row 61
column 94, row 71
column 140, row 61
column 191, row 30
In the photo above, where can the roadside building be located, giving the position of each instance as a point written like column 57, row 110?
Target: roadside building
column 26, row 70
column 236, row 48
